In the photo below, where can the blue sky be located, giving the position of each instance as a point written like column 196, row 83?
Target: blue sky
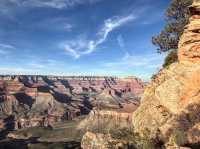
column 80, row 37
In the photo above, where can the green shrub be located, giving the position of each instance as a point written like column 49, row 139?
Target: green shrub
column 179, row 137
column 145, row 141
column 136, row 140
column 172, row 57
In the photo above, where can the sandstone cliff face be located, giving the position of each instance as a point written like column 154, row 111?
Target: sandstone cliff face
column 105, row 120
column 99, row 127
column 101, row 124
column 169, row 106
column 189, row 43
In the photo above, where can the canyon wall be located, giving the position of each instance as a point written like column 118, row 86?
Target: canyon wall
column 169, row 109
column 168, row 116
column 29, row 101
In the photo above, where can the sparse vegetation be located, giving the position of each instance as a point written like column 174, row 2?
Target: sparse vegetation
column 135, row 140
column 171, row 58
column 177, row 16
column 179, row 137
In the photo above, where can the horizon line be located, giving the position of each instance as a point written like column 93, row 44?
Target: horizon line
column 40, row 75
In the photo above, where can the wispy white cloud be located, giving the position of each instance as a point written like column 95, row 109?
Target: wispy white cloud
column 109, row 26
column 6, row 48
column 131, row 61
column 2, row 52
column 75, row 48
column 35, row 62
column 36, row 65
column 57, row 4
column 153, row 18
column 31, row 65
column 79, row 47
column 121, row 43
column 68, row 47
column 142, row 66
column 15, row 70
column 134, row 61
column 67, row 27
column 54, row 24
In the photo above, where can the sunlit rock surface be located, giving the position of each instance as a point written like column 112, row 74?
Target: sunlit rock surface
column 170, row 105
column 101, row 141
column 189, row 49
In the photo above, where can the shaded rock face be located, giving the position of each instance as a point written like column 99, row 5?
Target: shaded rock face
column 44, row 100
column 169, row 106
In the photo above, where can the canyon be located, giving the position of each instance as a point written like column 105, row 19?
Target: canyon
column 108, row 112
column 168, row 115
column 57, row 102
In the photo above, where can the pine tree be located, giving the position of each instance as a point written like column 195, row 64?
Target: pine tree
column 177, row 16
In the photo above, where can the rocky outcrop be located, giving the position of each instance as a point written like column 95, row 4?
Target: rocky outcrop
column 105, row 120
column 95, row 141
column 189, row 44
column 169, row 106
column 100, row 125
column 101, row 141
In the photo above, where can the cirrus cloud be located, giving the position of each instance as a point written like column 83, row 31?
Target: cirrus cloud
column 6, row 48
column 79, row 47
column 57, row 4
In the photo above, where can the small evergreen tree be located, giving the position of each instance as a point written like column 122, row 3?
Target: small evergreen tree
column 177, row 16
column 171, row 58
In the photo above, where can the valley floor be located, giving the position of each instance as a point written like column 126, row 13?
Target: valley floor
column 61, row 135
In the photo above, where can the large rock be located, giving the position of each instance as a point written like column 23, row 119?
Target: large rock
column 101, row 141
column 170, row 105
column 95, row 141
column 105, row 120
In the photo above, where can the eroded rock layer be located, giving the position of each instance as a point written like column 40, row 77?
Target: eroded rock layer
column 189, row 45
column 29, row 101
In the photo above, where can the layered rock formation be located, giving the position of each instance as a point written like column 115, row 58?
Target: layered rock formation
column 189, row 43
column 43, row 100
column 104, row 120
column 99, row 125
column 170, row 105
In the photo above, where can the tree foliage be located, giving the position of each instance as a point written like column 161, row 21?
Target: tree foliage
column 177, row 16
column 171, row 58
